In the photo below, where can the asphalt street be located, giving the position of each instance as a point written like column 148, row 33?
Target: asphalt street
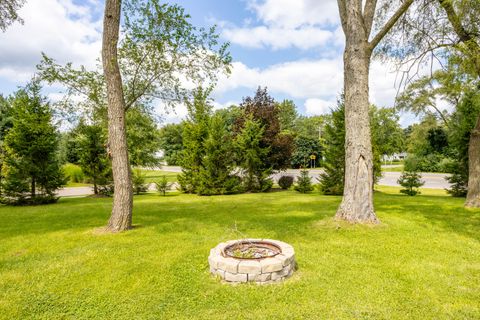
column 432, row 180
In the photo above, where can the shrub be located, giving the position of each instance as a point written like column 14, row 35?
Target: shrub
column 411, row 181
column 73, row 173
column 304, row 182
column 106, row 189
column 458, row 183
column 28, row 201
column 285, row 182
column 163, row 185
column 139, row 181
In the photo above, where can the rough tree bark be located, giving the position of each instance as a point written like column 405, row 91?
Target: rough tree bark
column 121, row 218
column 357, row 203
column 473, row 195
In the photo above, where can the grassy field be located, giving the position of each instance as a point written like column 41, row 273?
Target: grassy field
column 398, row 168
column 155, row 175
column 422, row 262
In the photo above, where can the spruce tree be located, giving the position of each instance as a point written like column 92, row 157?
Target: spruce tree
column 304, row 182
column 93, row 157
column 5, row 125
column 250, row 156
column 410, row 181
column 332, row 179
column 32, row 170
column 215, row 175
column 462, row 124
column 195, row 132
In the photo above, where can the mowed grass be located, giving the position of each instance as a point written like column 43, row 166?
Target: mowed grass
column 422, row 262
column 155, row 175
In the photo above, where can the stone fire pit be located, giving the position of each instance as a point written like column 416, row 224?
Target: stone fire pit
column 252, row 260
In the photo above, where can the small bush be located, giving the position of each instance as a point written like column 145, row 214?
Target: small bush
column 285, row 182
column 163, row 185
column 411, row 181
column 304, row 182
column 139, row 181
column 73, row 173
column 458, row 186
column 29, row 201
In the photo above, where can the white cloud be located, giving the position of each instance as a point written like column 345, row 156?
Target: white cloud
column 303, row 24
column 278, row 38
column 293, row 14
column 298, row 79
column 62, row 29
column 315, row 107
column 171, row 115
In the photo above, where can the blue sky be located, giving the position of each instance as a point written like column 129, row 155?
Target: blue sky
column 294, row 47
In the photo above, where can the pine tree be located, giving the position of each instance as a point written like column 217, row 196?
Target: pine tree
column 32, row 170
column 462, row 124
column 93, row 157
column 411, row 181
column 250, row 154
column 5, row 125
column 163, row 185
column 304, row 182
column 195, row 132
column 215, row 175
column 332, row 179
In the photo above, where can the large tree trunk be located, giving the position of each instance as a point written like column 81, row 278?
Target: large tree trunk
column 473, row 195
column 32, row 188
column 121, row 218
column 357, row 203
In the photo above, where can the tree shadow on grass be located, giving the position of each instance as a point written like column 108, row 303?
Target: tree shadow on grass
column 281, row 215
column 443, row 212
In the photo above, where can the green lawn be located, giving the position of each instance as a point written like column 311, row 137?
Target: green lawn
column 422, row 262
column 155, row 175
column 398, row 168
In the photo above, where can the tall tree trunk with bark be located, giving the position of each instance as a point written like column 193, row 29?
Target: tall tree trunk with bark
column 121, row 218
column 357, row 202
column 473, row 52
column 473, row 195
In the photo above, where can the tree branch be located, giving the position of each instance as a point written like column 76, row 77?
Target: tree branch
column 368, row 15
column 342, row 8
column 390, row 23
column 462, row 34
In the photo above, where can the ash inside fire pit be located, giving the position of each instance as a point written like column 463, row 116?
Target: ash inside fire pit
column 252, row 250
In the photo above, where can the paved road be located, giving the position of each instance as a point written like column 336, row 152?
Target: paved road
column 432, row 180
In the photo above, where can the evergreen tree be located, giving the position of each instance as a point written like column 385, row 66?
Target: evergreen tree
column 250, row 157
column 215, row 176
column 32, row 170
column 263, row 109
column 304, row 182
column 93, row 156
column 411, row 181
column 332, row 179
column 163, row 185
column 384, row 135
column 195, row 133
column 461, row 126
column 5, row 124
